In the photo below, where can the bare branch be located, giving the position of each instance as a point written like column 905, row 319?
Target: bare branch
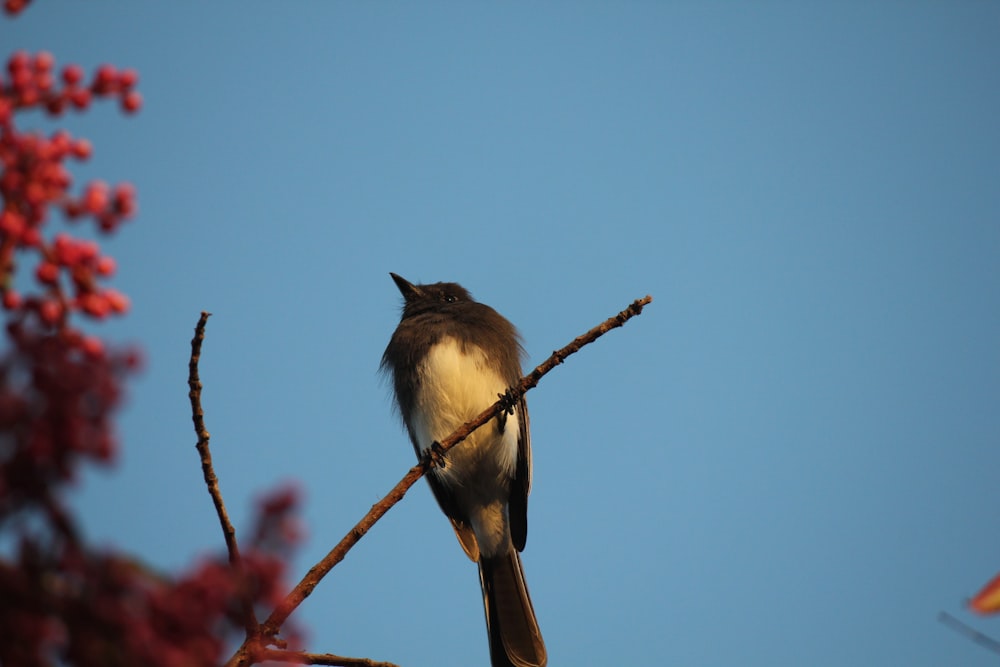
column 301, row 658
column 211, row 480
column 969, row 632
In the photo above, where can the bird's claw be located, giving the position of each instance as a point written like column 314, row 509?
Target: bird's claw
column 508, row 400
column 434, row 456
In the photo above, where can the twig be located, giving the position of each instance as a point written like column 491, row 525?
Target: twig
column 305, row 587
column 211, row 481
column 970, row 632
column 302, row 658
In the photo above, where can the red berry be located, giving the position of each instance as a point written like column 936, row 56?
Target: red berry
column 11, row 299
column 124, row 199
column 95, row 197
column 11, row 223
column 43, row 81
column 105, row 79
column 81, row 149
column 95, row 305
column 28, row 143
column 72, row 74
column 88, row 250
column 60, row 143
column 58, row 177
column 35, row 193
column 56, row 105
column 32, row 237
column 18, row 61
column 22, row 79
column 106, row 447
column 92, row 346
column 73, row 210
column 50, row 311
column 106, row 266
column 80, row 97
column 131, row 102
column 15, row 6
column 119, row 302
column 51, row 173
column 29, row 97
column 65, row 250
column 48, row 273
column 44, row 61
column 128, row 78
column 11, row 181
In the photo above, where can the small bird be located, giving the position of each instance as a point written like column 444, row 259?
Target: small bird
column 449, row 359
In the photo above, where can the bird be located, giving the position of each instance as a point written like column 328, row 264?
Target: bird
column 449, row 359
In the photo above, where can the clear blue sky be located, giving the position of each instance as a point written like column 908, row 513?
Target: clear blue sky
column 790, row 459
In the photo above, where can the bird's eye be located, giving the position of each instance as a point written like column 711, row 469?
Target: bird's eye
column 450, row 298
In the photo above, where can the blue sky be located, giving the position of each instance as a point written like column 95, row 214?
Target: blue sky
column 789, row 459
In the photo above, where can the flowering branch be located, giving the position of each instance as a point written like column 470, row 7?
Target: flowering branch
column 62, row 601
column 58, row 386
column 34, row 179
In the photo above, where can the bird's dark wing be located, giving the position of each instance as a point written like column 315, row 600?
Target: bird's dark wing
column 459, row 522
column 521, row 484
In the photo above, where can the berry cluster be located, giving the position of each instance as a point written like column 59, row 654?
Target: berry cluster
column 32, row 82
column 61, row 601
column 34, row 180
column 59, row 387
column 60, row 415
column 113, row 611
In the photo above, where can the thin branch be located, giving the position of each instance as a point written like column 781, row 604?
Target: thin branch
column 302, row 658
column 211, row 481
column 305, row 587
column 969, row 632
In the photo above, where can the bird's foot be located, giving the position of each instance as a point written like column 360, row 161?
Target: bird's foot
column 508, row 400
column 434, row 456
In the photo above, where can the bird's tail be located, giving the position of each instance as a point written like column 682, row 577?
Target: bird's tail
column 515, row 640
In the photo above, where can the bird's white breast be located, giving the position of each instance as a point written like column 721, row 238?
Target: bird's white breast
column 455, row 386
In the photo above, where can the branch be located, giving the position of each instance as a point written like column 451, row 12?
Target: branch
column 301, row 658
column 305, row 587
column 969, row 632
column 211, row 481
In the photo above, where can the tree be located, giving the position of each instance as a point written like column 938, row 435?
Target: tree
column 62, row 600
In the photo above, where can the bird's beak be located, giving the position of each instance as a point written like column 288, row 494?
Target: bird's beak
column 406, row 288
